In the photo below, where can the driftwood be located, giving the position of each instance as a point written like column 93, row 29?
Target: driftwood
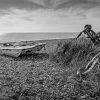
column 90, row 65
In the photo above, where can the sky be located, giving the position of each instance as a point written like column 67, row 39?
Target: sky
column 48, row 15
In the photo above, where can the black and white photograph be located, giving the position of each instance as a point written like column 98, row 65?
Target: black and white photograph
column 49, row 49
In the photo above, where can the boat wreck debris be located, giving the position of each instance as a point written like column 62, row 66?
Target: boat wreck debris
column 94, row 37
column 16, row 49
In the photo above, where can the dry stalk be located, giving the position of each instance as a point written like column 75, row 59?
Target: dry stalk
column 90, row 65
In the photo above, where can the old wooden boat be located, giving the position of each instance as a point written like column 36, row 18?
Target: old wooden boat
column 15, row 49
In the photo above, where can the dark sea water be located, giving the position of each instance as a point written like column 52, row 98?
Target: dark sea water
column 36, row 36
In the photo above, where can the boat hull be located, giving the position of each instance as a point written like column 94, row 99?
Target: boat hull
column 17, row 51
column 11, row 52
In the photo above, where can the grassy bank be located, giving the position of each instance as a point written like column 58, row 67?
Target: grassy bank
column 51, row 73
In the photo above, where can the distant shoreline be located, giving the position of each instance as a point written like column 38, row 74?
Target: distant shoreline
column 15, row 37
column 38, row 40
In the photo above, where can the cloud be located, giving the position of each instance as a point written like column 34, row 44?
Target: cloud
column 40, row 15
column 55, row 3
column 48, row 20
column 49, row 2
column 94, row 0
column 31, row 21
column 93, row 13
column 40, row 2
column 73, row 17
column 20, row 4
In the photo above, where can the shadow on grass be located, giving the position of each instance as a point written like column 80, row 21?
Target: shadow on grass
column 35, row 56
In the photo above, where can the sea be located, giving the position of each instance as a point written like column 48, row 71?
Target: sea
column 14, row 37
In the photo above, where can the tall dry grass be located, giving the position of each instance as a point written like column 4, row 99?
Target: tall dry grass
column 51, row 77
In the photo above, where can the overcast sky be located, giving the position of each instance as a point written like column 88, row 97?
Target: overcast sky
column 48, row 15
